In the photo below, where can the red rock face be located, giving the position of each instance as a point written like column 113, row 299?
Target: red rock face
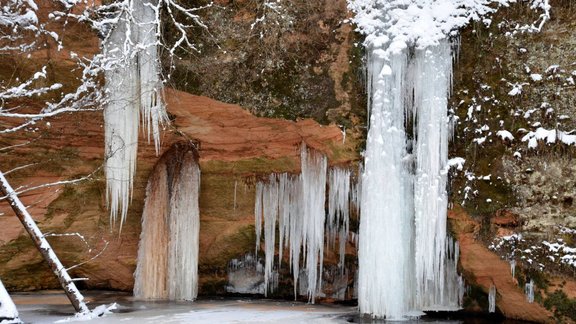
column 234, row 148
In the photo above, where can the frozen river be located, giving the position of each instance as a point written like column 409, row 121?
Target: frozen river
column 51, row 307
column 48, row 307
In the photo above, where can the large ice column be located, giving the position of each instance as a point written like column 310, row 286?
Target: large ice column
column 121, row 119
column 431, row 80
column 184, row 231
column 385, row 281
column 168, row 252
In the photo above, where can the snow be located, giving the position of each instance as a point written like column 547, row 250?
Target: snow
column 458, row 162
column 536, row 77
column 551, row 136
column 516, row 89
column 97, row 312
column 505, row 135
column 8, row 311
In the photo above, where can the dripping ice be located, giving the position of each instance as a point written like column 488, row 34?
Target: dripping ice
column 167, row 265
column 134, row 87
column 296, row 203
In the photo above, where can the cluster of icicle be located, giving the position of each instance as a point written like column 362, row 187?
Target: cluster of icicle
column 134, row 87
column 403, row 257
column 168, row 251
column 295, row 205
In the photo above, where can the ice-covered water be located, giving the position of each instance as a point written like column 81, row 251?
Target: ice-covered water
column 50, row 307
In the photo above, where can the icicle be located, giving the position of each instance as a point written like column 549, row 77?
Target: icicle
column 270, row 212
column 121, row 118
column 150, row 278
column 296, row 229
column 492, row 299
column 284, row 206
column 313, row 177
column 297, row 203
column 432, row 74
column 403, row 195
column 8, row 311
column 235, row 192
column 338, row 220
column 513, row 268
column 132, row 83
column 529, row 290
column 258, row 213
column 168, row 251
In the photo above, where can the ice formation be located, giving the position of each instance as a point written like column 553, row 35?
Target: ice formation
column 432, row 76
column 405, row 175
column 168, row 251
column 513, row 268
column 8, row 311
column 404, row 198
column 492, row 299
column 338, row 221
column 296, row 203
column 529, row 290
column 246, row 276
column 134, row 87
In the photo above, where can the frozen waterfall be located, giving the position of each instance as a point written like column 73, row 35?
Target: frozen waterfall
column 168, row 251
column 406, row 263
column 386, row 249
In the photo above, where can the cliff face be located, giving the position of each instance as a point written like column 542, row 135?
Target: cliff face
column 514, row 97
column 299, row 61
column 235, row 147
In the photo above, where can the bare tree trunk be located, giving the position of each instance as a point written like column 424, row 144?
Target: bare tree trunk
column 8, row 311
column 43, row 246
